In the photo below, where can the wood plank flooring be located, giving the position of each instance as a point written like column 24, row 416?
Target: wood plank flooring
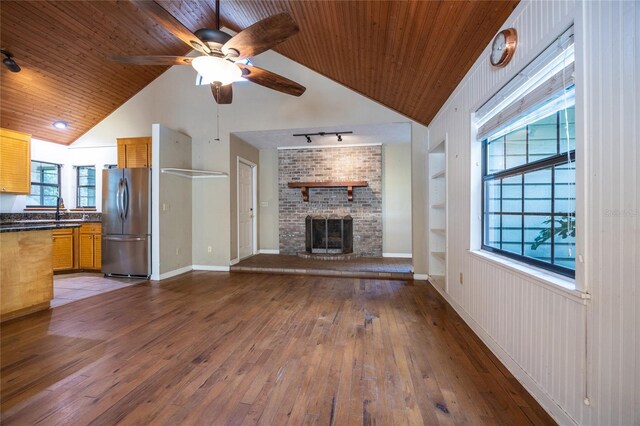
column 244, row 349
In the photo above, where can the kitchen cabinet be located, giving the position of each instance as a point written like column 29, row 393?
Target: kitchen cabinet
column 15, row 162
column 134, row 152
column 90, row 246
column 26, row 278
column 62, row 249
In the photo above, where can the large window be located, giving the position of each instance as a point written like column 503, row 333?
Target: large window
column 529, row 192
column 45, row 184
column 85, row 186
column 528, row 162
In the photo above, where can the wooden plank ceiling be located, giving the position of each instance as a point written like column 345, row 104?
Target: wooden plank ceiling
column 407, row 55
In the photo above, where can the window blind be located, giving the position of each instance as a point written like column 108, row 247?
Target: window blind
column 542, row 81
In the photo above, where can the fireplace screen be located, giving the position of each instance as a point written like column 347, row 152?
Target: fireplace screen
column 329, row 234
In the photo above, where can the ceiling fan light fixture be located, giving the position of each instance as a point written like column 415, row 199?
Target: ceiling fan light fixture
column 215, row 70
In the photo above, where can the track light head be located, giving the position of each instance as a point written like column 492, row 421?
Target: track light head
column 308, row 138
column 9, row 62
column 339, row 137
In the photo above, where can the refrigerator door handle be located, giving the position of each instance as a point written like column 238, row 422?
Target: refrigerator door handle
column 125, row 195
column 119, row 199
column 125, row 239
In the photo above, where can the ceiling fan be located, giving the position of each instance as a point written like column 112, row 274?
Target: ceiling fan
column 220, row 53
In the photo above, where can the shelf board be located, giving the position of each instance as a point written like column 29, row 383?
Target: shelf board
column 440, row 231
column 193, row 173
column 439, row 175
column 438, row 206
column 439, row 254
column 438, row 148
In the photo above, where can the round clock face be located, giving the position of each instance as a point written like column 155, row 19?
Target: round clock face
column 503, row 47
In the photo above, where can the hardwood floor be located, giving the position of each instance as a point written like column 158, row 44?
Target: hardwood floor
column 219, row 348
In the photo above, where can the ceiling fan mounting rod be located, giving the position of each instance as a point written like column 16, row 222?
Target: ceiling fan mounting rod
column 218, row 15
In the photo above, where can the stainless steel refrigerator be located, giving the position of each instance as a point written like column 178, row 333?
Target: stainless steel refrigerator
column 126, row 222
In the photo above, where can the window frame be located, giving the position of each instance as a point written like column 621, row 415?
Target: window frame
column 78, row 186
column 560, row 159
column 42, row 184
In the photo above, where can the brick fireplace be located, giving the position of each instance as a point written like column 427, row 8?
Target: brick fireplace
column 363, row 163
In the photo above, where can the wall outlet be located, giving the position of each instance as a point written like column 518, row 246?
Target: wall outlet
column 264, row 204
column 165, row 207
column 461, row 278
column 209, row 249
column 178, row 251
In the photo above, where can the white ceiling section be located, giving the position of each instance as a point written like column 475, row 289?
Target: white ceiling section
column 363, row 134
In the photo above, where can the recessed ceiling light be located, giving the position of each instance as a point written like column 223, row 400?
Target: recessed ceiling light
column 60, row 124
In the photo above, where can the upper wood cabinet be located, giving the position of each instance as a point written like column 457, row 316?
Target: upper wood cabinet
column 134, row 152
column 15, row 162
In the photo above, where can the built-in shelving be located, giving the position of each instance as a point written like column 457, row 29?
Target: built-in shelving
column 438, row 213
column 193, row 173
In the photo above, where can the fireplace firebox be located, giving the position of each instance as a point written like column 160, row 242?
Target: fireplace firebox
column 329, row 234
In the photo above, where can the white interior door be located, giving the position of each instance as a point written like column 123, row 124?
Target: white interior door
column 245, row 210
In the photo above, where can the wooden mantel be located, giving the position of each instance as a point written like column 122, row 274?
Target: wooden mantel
column 304, row 186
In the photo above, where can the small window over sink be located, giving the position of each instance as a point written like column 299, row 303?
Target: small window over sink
column 45, row 184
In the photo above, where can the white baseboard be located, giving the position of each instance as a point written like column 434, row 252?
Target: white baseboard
column 210, row 268
column 421, row 277
column 405, row 255
column 554, row 410
column 173, row 273
column 234, row 261
column 268, row 251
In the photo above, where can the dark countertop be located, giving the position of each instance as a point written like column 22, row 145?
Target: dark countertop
column 17, row 227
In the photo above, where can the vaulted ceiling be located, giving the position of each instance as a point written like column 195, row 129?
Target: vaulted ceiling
column 406, row 55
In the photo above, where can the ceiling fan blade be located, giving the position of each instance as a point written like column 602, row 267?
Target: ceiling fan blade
column 171, row 24
column 261, row 36
column 222, row 94
column 153, row 60
column 271, row 80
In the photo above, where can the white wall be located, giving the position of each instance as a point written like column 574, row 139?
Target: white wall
column 68, row 156
column 268, row 201
column 171, row 204
column 396, row 199
column 174, row 101
column 539, row 331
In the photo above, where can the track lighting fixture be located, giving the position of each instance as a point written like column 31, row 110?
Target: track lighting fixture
column 9, row 62
column 337, row 134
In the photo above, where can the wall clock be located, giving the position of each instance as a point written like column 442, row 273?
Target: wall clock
column 503, row 47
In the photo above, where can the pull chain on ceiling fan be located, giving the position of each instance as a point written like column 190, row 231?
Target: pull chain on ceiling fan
column 220, row 51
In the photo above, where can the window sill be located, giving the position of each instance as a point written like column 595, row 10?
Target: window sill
column 83, row 209
column 557, row 283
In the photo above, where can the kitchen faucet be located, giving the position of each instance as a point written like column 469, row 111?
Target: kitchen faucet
column 58, row 204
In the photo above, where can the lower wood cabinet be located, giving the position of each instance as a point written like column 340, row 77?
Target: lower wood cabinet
column 62, row 249
column 90, row 246
column 78, row 248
